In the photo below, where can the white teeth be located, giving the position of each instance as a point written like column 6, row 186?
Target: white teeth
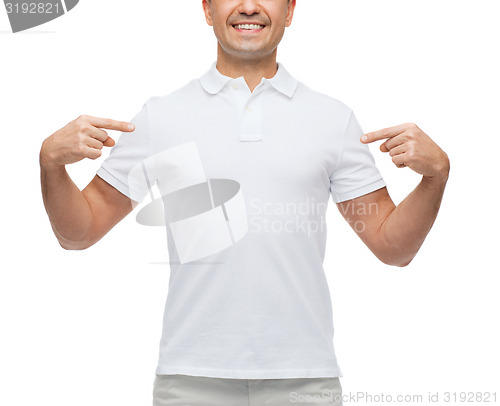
column 249, row 26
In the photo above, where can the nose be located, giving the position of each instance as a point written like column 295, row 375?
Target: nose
column 249, row 7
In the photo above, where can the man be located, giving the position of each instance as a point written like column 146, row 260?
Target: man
column 246, row 158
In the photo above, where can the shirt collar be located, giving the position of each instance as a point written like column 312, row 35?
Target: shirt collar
column 213, row 81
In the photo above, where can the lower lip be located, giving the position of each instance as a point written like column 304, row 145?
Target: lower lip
column 249, row 31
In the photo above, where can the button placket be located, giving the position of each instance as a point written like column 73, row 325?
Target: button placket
column 251, row 122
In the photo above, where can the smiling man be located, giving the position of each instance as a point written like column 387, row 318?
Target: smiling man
column 247, row 158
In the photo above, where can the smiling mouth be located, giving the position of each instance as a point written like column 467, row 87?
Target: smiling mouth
column 249, row 28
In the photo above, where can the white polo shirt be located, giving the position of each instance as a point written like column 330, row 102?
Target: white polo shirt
column 245, row 179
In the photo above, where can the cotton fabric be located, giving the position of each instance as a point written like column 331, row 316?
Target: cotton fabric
column 259, row 308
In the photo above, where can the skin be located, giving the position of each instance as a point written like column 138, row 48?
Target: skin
column 393, row 233
column 252, row 56
column 396, row 233
column 99, row 206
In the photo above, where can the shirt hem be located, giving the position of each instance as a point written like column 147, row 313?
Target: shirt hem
column 252, row 374
column 117, row 184
column 370, row 187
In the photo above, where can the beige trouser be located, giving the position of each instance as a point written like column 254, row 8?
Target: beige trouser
column 188, row 390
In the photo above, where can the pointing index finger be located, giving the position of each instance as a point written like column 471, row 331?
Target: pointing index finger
column 111, row 124
column 384, row 133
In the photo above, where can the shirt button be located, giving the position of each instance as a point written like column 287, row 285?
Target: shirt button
column 235, row 86
column 249, row 108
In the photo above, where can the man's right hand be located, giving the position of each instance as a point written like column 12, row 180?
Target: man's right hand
column 79, row 139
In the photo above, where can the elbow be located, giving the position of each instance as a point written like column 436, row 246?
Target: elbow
column 403, row 264
column 74, row 246
column 394, row 254
column 399, row 261
column 77, row 244
column 399, row 264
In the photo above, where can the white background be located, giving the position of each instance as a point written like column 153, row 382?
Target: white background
column 83, row 327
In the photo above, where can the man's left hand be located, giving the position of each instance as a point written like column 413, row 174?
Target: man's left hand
column 409, row 146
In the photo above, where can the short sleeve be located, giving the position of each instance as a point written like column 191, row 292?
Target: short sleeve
column 124, row 167
column 355, row 173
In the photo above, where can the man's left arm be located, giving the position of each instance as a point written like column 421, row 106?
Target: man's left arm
column 395, row 233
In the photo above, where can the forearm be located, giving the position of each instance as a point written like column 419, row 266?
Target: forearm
column 406, row 227
column 69, row 212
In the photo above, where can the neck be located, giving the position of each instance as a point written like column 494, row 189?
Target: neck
column 253, row 70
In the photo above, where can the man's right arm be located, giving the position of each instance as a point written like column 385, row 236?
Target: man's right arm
column 80, row 218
